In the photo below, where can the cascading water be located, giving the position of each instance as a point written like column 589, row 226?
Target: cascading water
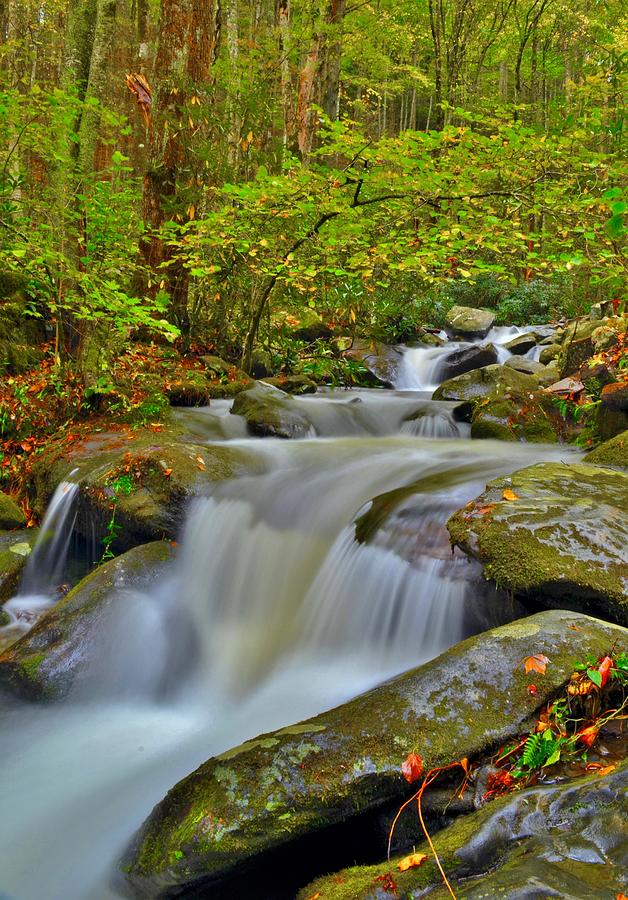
column 271, row 612
column 39, row 588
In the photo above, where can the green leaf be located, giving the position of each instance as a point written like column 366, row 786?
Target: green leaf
column 595, row 677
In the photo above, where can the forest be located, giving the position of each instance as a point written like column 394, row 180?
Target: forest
column 313, row 449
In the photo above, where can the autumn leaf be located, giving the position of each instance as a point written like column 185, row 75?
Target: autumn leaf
column 412, row 767
column 411, row 861
column 536, row 663
column 315, row 896
column 588, row 735
column 201, row 463
column 533, row 690
column 507, row 494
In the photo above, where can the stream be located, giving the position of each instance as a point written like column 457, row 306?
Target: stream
column 270, row 613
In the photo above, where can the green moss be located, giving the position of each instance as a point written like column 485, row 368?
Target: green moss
column 611, row 453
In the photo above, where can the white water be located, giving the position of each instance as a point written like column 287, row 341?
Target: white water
column 419, row 369
column 39, row 588
column 271, row 613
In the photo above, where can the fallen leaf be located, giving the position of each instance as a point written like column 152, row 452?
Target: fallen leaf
column 411, row 861
column 482, row 510
column 412, row 767
column 167, row 472
column 536, row 663
column 532, row 689
column 600, row 769
column 588, row 735
column 507, row 494
column 315, row 896
column 201, row 463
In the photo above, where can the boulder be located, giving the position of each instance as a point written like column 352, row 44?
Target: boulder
column 560, row 540
column 11, row 516
column 48, row 659
column 553, row 840
column 309, row 327
column 147, row 476
column 470, row 388
column 520, row 345
column 512, row 413
column 343, row 766
column 549, row 353
column 261, row 363
column 466, row 322
column 465, row 360
column 193, row 390
column 527, row 366
column 381, row 360
column 293, row 384
column 15, row 548
column 604, row 338
column 270, row 412
column 611, row 453
column 601, row 310
column 612, row 415
column 577, row 342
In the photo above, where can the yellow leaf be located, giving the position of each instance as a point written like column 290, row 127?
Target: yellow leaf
column 509, row 495
column 410, row 862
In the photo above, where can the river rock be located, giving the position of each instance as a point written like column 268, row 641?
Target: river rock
column 470, row 388
column 465, row 360
column 527, row 366
column 562, row 539
column 612, row 417
column 148, row 476
column 466, row 322
column 11, row 516
column 192, row 390
column 344, row 764
column 513, row 413
column 381, row 360
column 611, row 453
column 293, row 384
column 556, row 840
column 549, row 353
column 15, row 548
column 47, row 660
column 521, row 343
column 270, row 412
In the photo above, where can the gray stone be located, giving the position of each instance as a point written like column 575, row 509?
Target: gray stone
column 465, row 360
column 465, row 322
column 521, row 343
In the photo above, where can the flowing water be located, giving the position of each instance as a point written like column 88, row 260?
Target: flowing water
column 271, row 612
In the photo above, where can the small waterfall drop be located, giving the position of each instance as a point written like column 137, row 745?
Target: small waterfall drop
column 39, row 588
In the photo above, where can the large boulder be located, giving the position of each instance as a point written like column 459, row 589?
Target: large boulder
column 527, row 366
column 465, row 360
column 554, row 533
column 470, row 388
column 549, row 353
column 147, row 476
column 466, row 322
column 15, row 548
column 521, row 344
column 11, row 516
column 612, row 417
column 512, row 413
column 270, row 412
column 343, row 766
column 381, row 361
column 293, row 384
column 553, row 840
column 611, row 453
column 49, row 658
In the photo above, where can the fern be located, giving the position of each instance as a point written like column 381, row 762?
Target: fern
column 533, row 752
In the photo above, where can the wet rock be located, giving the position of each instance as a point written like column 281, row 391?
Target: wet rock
column 293, row 384
column 46, row 662
column 269, row 412
column 549, row 353
column 465, row 360
column 601, row 310
column 527, row 366
column 261, row 363
column 604, row 338
column 561, row 840
column 148, row 476
column 465, row 322
column 562, row 540
column 15, row 548
column 470, row 388
column 344, row 764
column 595, row 376
column 11, row 516
column 193, row 390
column 427, row 339
column 512, row 413
column 522, row 343
column 217, row 367
column 612, row 416
column 611, row 453
column 577, row 342
column 381, row 360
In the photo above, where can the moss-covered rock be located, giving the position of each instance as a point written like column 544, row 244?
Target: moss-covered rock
column 526, row 366
column 466, row 359
column 510, row 413
column 557, row 840
column 521, row 343
column 470, row 388
column 465, row 322
column 47, row 660
column 381, row 361
column 15, row 548
column 344, row 763
column 193, row 390
column 270, row 412
column 561, row 540
column 611, row 453
column 549, row 353
column 293, row 384
column 612, row 414
column 11, row 516
column 148, row 477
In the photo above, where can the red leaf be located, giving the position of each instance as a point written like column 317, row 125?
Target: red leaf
column 412, row 768
column 536, row 663
column 532, row 689
column 588, row 735
column 605, row 669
